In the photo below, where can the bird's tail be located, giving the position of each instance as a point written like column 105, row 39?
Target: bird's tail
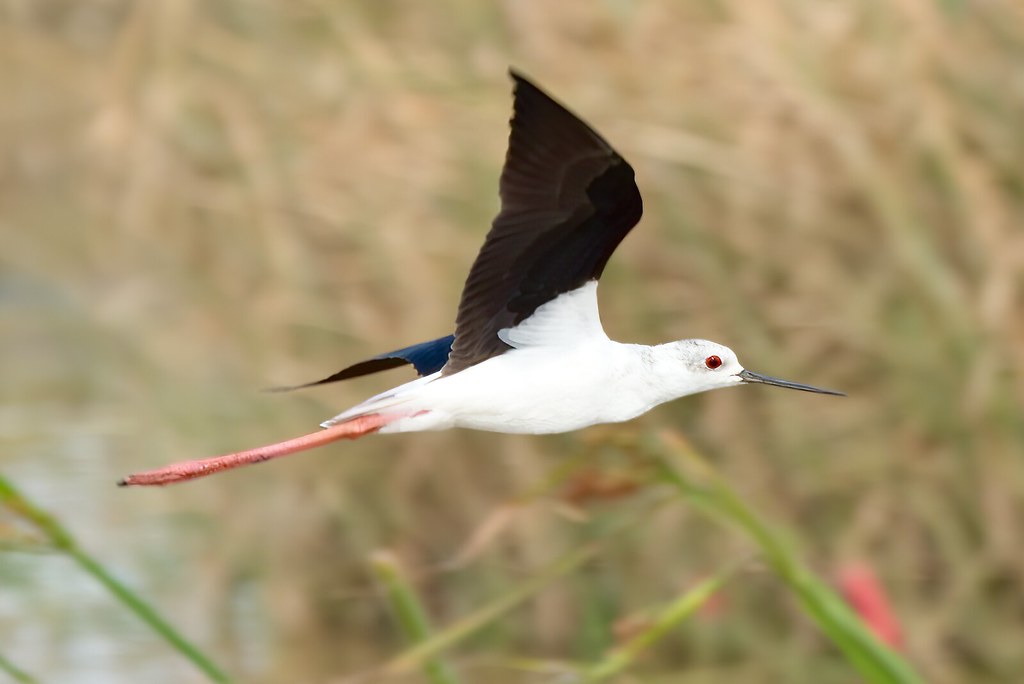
column 190, row 470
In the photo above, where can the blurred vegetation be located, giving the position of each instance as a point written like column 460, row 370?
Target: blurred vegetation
column 201, row 199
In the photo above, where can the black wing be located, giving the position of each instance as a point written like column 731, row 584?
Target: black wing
column 426, row 358
column 567, row 201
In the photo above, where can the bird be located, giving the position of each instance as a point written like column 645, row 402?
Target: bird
column 529, row 353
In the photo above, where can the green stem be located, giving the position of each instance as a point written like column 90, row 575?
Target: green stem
column 667, row 619
column 62, row 540
column 484, row 616
column 490, row 612
column 16, row 673
column 563, row 565
column 875, row 661
column 410, row 614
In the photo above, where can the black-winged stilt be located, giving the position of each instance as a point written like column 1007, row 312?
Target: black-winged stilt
column 529, row 354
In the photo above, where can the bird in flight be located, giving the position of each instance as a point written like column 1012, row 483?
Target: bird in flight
column 528, row 354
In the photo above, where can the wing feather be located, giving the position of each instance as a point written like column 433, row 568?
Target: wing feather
column 567, row 201
column 426, row 358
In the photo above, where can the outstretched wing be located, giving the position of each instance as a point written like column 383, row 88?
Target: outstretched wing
column 426, row 358
column 567, row 201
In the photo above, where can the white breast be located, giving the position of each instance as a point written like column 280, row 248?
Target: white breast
column 534, row 390
column 562, row 374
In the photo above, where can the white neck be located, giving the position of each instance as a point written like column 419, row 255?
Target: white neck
column 675, row 369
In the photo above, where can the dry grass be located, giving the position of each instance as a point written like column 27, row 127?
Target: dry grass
column 199, row 199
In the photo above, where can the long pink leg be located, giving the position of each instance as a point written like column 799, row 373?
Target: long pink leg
column 190, row 470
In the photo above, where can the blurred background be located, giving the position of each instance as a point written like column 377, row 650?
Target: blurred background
column 199, row 200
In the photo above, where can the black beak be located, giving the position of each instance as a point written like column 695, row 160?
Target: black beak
column 749, row 376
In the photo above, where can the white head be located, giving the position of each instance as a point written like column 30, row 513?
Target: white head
column 701, row 365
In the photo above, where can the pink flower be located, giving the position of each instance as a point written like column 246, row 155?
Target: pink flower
column 863, row 591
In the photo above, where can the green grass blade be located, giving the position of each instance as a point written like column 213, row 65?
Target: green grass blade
column 409, row 613
column 62, row 540
column 15, row 672
column 490, row 612
column 875, row 661
column 469, row 624
column 668, row 618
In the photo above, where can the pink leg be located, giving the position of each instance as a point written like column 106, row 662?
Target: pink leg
column 189, row 470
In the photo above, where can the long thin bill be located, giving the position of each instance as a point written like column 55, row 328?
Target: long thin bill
column 750, row 376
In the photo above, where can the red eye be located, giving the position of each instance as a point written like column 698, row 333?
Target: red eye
column 713, row 362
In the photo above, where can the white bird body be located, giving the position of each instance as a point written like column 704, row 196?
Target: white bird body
column 556, row 378
column 541, row 391
column 546, row 390
column 529, row 354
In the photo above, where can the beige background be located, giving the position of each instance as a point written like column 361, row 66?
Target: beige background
column 202, row 199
